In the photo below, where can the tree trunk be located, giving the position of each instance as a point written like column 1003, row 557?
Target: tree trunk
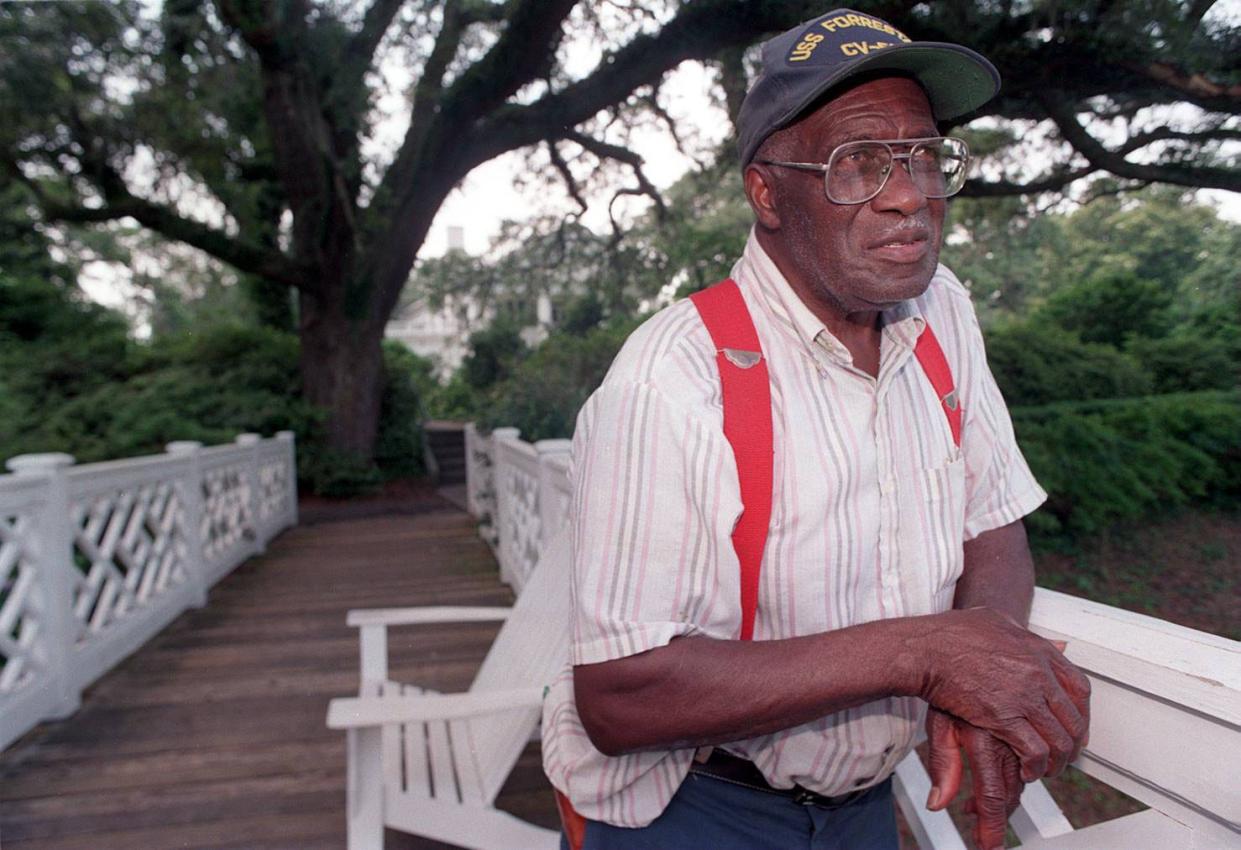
column 342, row 374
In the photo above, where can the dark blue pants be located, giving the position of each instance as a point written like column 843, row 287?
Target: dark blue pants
column 708, row 814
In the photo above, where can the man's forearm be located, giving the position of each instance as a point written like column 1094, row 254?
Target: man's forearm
column 975, row 664
column 998, row 573
column 698, row 691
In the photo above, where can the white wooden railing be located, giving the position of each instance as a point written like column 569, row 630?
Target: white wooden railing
column 98, row 558
column 1166, row 704
column 520, row 493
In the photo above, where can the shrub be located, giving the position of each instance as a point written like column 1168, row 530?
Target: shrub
column 548, row 388
column 1111, row 307
column 207, row 386
column 1191, row 358
column 398, row 447
column 1120, row 459
column 1038, row 363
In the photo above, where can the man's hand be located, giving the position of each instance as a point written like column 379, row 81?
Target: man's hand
column 985, row 669
column 994, row 769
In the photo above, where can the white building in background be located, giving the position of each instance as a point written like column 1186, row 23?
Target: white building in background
column 443, row 334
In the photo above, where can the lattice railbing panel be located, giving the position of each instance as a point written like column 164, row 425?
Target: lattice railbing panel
column 131, row 550
column 275, row 488
column 480, row 483
column 521, row 520
column 227, row 523
column 23, row 657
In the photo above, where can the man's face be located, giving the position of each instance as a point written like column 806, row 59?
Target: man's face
column 857, row 257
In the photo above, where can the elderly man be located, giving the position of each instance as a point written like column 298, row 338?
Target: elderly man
column 895, row 573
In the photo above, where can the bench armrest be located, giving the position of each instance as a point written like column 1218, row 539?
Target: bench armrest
column 425, row 614
column 355, row 712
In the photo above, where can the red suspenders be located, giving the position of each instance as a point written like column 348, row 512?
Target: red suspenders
column 747, row 420
column 747, row 425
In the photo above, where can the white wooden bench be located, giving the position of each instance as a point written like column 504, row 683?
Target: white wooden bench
column 432, row 764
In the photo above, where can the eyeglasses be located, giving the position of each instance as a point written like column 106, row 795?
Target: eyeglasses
column 858, row 171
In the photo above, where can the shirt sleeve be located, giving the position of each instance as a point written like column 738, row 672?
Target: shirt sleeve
column 1000, row 488
column 654, row 503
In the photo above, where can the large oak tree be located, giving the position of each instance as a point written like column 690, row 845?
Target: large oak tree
column 246, row 128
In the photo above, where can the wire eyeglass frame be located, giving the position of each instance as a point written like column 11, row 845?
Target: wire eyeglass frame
column 958, row 149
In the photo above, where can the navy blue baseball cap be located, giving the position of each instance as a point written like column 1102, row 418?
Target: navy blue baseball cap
column 803, row 63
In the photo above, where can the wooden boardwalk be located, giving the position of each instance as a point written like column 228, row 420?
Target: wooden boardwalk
column 212, row 735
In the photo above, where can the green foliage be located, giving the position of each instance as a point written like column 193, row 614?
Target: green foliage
column 1111, row 308
column 99, row 397
column 1002, row 253
column 1035, row 362
column 1107, row 461
column 454, row 400
column 705, row 227
column 1014, row 259
column 1192, row 358
column 548, row 388
column 206, row 386
column 552, row 257
column 54, row 344
column 398, row 448
column 329, row 473
column 494, row 353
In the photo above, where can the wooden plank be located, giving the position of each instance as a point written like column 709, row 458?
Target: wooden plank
column 414, row 742
column 81, row 774
column 305, row 830
column 443, row 766
column 157, row 806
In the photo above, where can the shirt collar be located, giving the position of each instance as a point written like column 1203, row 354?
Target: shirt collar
column 902, row 323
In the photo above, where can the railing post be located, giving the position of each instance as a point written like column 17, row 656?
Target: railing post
column 251, row 441
column 56, row 570
column 472, row 481
column 551, row 509
column 190, row 495
column 289, row 440
column 501, row 521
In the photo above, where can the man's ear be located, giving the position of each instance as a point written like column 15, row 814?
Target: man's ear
column 759, row 192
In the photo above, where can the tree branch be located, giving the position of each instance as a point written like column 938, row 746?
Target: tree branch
column 732, row 81
column 1065, row 118
column 603, row 150
column 424, row 114
column 652, row 103
column 258, row 24
column 1195, row 88
column 524, row 50
column 1004, row 188
column 1160, row 134
column 359, row 53
column 243, row 256
column 698, row 31
column 558, row 162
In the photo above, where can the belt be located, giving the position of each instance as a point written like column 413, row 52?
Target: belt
column 738, row 771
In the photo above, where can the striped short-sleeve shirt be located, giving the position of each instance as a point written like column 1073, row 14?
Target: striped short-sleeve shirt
column 872, row 501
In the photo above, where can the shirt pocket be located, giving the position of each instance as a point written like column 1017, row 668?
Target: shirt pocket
column 933, row 534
